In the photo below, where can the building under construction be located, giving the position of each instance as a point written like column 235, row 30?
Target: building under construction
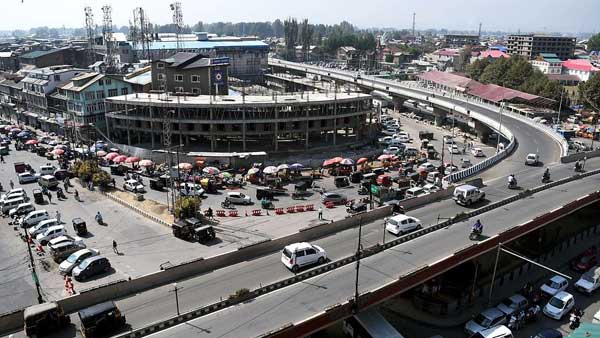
column 240, row 123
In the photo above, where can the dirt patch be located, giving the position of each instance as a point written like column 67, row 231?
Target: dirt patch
column 151, row 206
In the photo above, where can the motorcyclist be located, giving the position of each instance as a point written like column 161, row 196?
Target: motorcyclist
column 98, row 217
column 577, row 166
column 546, row 176
column 512, row 181
column 477, row 227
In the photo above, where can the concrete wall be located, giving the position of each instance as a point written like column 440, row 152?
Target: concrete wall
column 579, row 156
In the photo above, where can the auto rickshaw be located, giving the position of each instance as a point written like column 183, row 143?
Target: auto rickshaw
column 117, row 169
column 300, row 190
column 156, row 184
column 79, row 226
column 266, row 204
column 205, row 233
column 356, row 176
column 262, row 193
column 182, row 229
column 38, row 196
column 42, row 319
column 209, row 185
column 341, row 181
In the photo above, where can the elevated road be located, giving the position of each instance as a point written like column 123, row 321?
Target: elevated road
column 322, row 298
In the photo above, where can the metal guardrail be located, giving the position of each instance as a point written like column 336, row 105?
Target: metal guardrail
column 161, row 325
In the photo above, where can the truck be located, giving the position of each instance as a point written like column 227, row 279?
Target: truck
column 425, row 135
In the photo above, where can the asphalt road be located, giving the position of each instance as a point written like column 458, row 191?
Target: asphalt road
column 303, row 300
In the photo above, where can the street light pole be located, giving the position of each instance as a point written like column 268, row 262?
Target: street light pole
column 499, row 129
column 33, row 272
column 494, row 274
column 358, row 250
column 175, row 290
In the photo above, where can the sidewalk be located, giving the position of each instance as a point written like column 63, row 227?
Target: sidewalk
column 404, row 307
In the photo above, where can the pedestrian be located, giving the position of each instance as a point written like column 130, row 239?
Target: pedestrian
column 115, row 247
column 114, row 183
column 49, row 197
column 12, row 184
column 2, row 159
column 66, row 187
column 320, row 211
column 58, row 217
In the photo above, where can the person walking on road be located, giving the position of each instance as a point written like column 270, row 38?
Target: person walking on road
column 2, row 159
column 12, row 184
column 115, row 247
column 320, row 211
column 58, row 217
column 49, row 194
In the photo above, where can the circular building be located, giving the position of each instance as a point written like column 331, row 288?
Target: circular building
column 239, row 123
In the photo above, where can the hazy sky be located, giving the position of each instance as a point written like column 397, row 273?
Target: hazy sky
column 506, row 15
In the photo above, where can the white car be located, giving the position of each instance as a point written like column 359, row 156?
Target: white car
column 13, row 192
column 51, row 233
column 488, row 318
column 450, row 169
column 27, row 177
column 191, row 189
column 430, row 188
column 385, row 140
column 554, row 285
column 133, row 186
column 403, row 138
column 402, row 224
column 391, row 150
column 589, row 281
column 559, row 305
column 297, row 255
column 532, row 159
column 477, row 152
column 513, row 303
column 21, row 209
column 427, row 167
column 448, row 139
column 13, row 195
column 67, row 238
column 74, row 259
column 238, row 198
column 453, row 149
column 42, row 226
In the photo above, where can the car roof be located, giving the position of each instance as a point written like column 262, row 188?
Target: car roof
column 46, row 221
column 465, row 187
column 298, row 246
column 563, row 295
column 400, row 217
column 55, row 227
column 25, row 173
column 39, row 308
column 131, row 181
column 492, row 313
column 93, row 258
column 496, row 331
column 558, row 279
column 517, row 298
column 96, row 309
column 48, row 176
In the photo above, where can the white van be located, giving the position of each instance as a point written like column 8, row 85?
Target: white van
column 48, row 181
column 414, row 192
column 13, row 192
column 11, row 204
column 34, row 218
column 47, row 170
column 467, row 194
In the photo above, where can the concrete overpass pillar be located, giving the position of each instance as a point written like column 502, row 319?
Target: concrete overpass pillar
column 483, row 131
column 439, row 115
column 398, row 103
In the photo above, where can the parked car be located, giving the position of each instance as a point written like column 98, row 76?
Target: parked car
column 499, row 331
column 532, row 159
column 27, row 177
column 13, row 192
column 66, row 239
column 297, row 255
column 42, row 226
column 549, row 333
column 477, row 152
column 235, row 197
column 75, row 259
column 48, row 181
column 333, row 197
column 584, row 262
column 453, row 149
column 589, row 281
column 59, row 252
column 488, row 318
column 33, row 218
column 402, row 224
column 513, row 303
column 554, row 285
column 191, row 189
column 133, row 186
column 21, row 209
column 427, row 167
column 391, row 150
column 90, row 267
column 51, row 233
column 559, row 305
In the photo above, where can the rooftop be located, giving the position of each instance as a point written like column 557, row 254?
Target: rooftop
column 494, row 54
column 448, row 79
column 39, row 53
column 581, row 65
column 158, row 45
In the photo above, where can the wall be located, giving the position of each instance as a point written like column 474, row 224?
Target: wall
column 579, row 156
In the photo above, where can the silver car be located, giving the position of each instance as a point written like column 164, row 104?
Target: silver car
column 74, row 259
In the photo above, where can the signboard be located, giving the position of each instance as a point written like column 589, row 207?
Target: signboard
column 374, row 189
column 218, row 77
column 219, row 61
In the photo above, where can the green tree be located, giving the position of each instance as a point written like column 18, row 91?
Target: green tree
column 186, row 206
column 475, row 69
column 591, row 92
column 290, row 28
column 594, row 43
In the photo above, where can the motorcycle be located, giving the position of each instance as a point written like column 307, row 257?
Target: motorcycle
column 574, row 321
column 60, row 194
column 546, row 179
column 99, row 219
column 363, row 190
column 578, row 169
column 513, row 185
column 227, row 205
column 475, row 233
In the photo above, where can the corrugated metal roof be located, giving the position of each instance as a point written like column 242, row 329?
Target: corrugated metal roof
column 448, row 79
column 158, row 45
column 38, row 53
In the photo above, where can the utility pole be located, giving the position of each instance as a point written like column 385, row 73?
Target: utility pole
column 358, row 251
column 176, row 290
column 33, row 272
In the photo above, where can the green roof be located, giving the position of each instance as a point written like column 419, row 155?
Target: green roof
column 548, row 55
column 553, row 60
column 38, row 53
column 586, row 330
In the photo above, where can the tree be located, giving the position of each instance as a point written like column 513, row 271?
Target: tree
column 591, row 92
column 306, row 35
column 475, row 69
column 187, row 206
column 594, row 43
column 290, row 27
column 198, row 27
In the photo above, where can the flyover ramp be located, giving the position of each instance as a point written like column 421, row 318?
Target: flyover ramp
column 302, row 301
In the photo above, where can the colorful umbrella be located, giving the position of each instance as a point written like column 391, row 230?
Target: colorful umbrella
column 362, row 160
column 225, row 175
column 337, row 159
column 146, row 163
column 296, row 166
column 101, row 153
column 384, row 157
column 119, row 158
column 185, row 166
column 60, row 146
column 111, row 156
column 15, row 130
column 132, row 159
column 347, row 161
column 58, row 152
column 328, row 163
column 31, row 142
column 211, row 171
column 253, row 171
column 270, row 170
column 283, row 167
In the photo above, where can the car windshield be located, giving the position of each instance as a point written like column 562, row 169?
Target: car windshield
column 557, row 303
column 73, row 258
column 553, row 284
column 84, row 264
column 287, row 253
column 588, row 278
column 392, row 222
column 482, row 320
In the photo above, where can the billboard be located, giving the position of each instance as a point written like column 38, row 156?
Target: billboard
column 218, row 77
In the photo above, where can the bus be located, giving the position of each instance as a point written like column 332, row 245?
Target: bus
column 369, row 324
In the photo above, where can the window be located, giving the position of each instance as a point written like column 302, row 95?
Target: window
column 160, row 65
column 57, row 77
column 112, row 92
column 161, row 76
column 179, row 89
column 178, row 78
column 100, row 106
column 195, row 78
column 90, row 96
column 101, row 82
column 100, row 94
column 124, row 91
column 108, row 82
column 195, row 90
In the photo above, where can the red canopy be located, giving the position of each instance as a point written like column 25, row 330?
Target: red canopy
column 132, row 159
column 362, row 160
column 119, row 159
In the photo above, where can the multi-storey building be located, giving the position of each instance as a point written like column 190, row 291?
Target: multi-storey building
column 530, row 45
column 547, row 63
column 191, row 73
column 460, row 40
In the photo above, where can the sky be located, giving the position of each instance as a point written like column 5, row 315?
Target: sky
column 506, row 15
